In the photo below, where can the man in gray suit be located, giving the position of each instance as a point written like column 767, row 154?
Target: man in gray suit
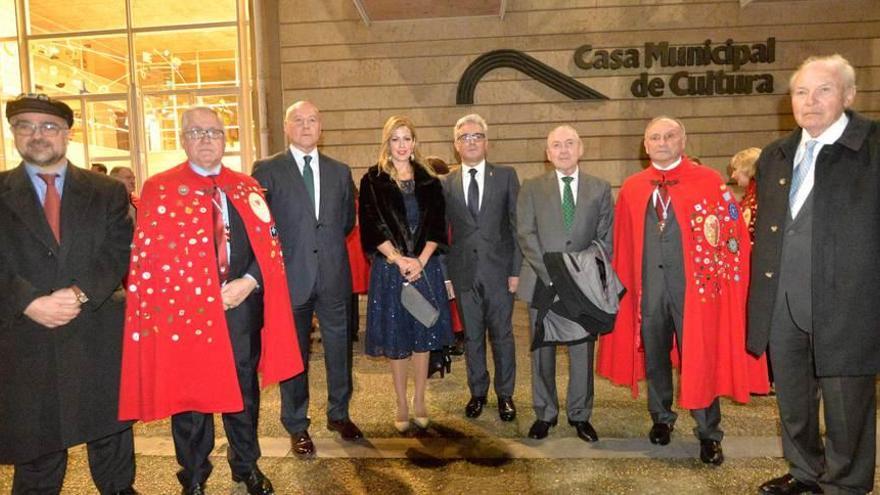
column 562, row 211
column 484, row 262
column 814, row 282
column 312, row 198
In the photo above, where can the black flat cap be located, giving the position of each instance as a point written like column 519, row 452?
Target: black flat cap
column 39, row 103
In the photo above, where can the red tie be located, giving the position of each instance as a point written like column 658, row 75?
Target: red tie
column 52, row 205
column 220, row 239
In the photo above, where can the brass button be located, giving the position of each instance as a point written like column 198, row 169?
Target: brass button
column 774, row 228
column 782, row 181
column 768, row 274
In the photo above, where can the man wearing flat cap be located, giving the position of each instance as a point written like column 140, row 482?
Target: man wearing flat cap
column 63, row 253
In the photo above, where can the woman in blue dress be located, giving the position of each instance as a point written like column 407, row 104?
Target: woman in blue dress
column 403, row 226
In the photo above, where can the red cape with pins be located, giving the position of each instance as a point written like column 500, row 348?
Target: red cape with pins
column 716, row 249
column 177, row 355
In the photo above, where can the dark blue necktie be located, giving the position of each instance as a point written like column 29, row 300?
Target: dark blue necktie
column 473, row 195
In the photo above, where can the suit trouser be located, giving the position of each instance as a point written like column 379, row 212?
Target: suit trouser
column 111, row 462
column 485, row 308
column 193, row 432
column 332, row 311
column 660, row 321
column 846, row 462
column 579, row 402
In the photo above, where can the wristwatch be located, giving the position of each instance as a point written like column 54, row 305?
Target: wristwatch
column 80, row 295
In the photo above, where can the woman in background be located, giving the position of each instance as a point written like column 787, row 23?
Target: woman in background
column 403, row 223
column 742, row 170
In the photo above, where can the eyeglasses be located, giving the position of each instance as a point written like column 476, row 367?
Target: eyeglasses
column 471, row 137
column 25, row 128
column 198, row 134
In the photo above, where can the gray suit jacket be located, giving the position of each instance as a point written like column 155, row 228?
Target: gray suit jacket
column 311, row 246
column 540, row 229
column 485, row 247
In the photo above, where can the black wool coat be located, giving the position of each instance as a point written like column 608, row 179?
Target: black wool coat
column 382, row 214
column 60, row 387
column 845, row 247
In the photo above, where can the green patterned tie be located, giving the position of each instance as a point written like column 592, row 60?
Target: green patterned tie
column 567, row 204
column 309, row 178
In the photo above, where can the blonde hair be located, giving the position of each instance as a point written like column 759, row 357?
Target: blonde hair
column 385, row 164
column 746, row 161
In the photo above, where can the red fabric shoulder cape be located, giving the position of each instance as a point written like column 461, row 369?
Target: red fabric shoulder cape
column 177, row 355
column 716, row 249
column 360, row 265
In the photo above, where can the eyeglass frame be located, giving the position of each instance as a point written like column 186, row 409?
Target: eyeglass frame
column 473, row 137
column 197, row 134
column 46, row 128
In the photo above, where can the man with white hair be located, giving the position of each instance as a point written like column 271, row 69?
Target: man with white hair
column 814, row 273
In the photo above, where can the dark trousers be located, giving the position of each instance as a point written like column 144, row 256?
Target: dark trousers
column 545, row 401
column 111, row 462
column 845, row 463
column 333, row 316
column 661, row 319
column 485, row 309
column 193, row 432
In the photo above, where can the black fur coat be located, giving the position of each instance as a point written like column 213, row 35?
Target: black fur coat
column 382, row 214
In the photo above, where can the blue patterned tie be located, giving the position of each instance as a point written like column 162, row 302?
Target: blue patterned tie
column 800, row 173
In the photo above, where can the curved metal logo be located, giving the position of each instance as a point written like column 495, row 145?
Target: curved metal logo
column 528, row 65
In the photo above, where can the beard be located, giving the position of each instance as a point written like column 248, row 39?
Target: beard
column 41, row 153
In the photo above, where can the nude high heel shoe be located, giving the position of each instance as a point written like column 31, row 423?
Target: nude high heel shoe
column 420, row 421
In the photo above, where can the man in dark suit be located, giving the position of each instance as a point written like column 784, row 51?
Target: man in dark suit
column 561, row 211
column 312, row 198
column 484, row 262
column 63, row 252
column 814, row 281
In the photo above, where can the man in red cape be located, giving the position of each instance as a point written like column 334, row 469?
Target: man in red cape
column 207, row 308
column 682, row 250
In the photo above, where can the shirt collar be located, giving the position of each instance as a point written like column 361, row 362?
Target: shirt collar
column 560, row 175
column 205, row 173
column 669, row 167
column 298, row 155
column 480, row 167
column 33, row 170
column 831, row 135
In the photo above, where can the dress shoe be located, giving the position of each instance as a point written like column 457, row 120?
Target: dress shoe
column 788, row 485
column 710, row 452
column 585, row 431
column 457, row 348
column 256, row 482
column 301, row 444
column 128, row 491
column 346, row 428
column 197, row 489
column 506, row 409
column 540, row 429
column 660, row 433
column 474, row 407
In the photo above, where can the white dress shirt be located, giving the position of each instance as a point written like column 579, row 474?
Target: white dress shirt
column 830, row 136
column 301, row 163
column 480, row 177
column 656, row 195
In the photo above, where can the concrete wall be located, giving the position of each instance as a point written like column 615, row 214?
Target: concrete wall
column 359, row 75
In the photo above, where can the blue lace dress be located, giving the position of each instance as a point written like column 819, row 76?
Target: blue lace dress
column 391, row 331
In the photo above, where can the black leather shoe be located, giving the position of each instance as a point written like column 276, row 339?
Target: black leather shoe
column 710, row 452
column 346, row 428
column 197, row 489
column 128, row 491
column 788, row 485
column 660, row 433
column 540, row 429
column 506, row 409
column 301, row 444
column 256, row 482
column 474, row 407
column 585, row 431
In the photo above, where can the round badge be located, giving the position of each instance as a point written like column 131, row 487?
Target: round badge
column 733, row 245
column 183, row 189
column 732, row 211
column 711, row 229
column 259, row 207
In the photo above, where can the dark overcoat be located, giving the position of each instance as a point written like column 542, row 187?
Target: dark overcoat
column 60, row 387
column 845, row 248
column 382, row 214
